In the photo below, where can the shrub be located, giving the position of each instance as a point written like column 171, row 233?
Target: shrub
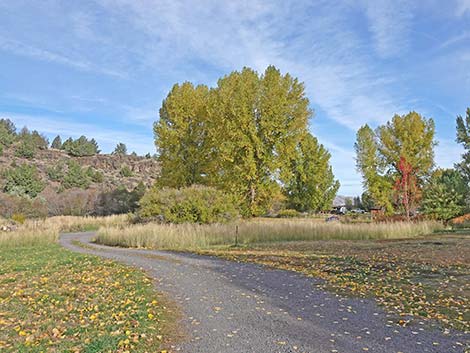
column 288, row 213
column 95, row 175
column 56, row 172
column 30, row 208
column 71, row 202
column 18, row 218
column 26, row 149
column 126, row 171
column 120, row 200
column 195, row 204
column 76, row 176
column 23, row 180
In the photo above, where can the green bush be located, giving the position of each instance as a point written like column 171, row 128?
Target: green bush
column 95, row 175
column 56, row 172
column 26, row 149
column 126, row 171
column 19, row 218
column 195, row 204
column 23, row 180
column 288, row 213
column 76, row 176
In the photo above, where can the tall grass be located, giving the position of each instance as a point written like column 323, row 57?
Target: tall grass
column 44, row 231
column 190, row 236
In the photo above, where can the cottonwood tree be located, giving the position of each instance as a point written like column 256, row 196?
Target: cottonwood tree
column 181, row 136
column 312, row 186
column 463, row 137
column 404, row 144
column 378, row 187
column 240, row 136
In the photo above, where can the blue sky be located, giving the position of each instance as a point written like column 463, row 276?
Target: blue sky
column 101, row 68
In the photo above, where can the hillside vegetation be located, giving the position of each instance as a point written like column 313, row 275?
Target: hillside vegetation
column 70, row 178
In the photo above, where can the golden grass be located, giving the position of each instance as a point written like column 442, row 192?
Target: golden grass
column 43, row 231
column 190, row 236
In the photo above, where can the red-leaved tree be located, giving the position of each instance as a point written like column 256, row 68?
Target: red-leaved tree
column 406, row 187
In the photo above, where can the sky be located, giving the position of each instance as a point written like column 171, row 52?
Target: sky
column 102, row 68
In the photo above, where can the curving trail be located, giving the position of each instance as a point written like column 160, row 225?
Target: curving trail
column 237, row 307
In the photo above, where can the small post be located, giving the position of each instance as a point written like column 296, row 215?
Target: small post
column 236, row 235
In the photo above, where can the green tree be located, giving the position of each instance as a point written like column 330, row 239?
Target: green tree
column 7, row 132
column 26, row 148
column 445, row 195
column 463, row 137
column 23, row 180
column 239, row 137
column 57, row 143
column 312, row 187
column 81, row 147
column 408, row 138
column 120, row 150
column 258, row 122
column 67, row 145
column 368, row 163
column 181, row 136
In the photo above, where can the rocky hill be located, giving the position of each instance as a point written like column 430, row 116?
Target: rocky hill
column 141, row 169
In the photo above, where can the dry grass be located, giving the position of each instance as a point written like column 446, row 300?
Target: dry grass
column 44, row 231
column 189, row 236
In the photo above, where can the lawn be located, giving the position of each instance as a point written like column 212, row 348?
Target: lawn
column 54, row 300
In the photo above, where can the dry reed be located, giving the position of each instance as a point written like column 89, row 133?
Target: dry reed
column 190, row 236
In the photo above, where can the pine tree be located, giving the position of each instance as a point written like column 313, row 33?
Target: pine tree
column 120, row 150
column 57, row 143
column 445, row 195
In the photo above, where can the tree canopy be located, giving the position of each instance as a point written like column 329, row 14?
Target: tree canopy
column 395, row 160
column 241, row 136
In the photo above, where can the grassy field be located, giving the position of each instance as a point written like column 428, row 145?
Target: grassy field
column 46, row 231
column 54, row 300
column 406, row 267
column 190, row 236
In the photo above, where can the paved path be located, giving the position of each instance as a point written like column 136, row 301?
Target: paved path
column 237, row 307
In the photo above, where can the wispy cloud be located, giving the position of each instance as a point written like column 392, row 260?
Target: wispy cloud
column 390, row 23
column 19, row 48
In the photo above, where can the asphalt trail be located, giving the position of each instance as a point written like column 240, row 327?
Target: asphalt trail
column 230, row 307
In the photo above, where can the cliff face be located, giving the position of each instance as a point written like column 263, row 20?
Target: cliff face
column 142, row 169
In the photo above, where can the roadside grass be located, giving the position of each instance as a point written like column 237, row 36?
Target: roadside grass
column 54, row 300
column 425, row 279
column 190, row 236
column 46, row 231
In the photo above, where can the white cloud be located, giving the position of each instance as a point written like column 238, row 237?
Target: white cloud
column 20, row 48
column 389, row 23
